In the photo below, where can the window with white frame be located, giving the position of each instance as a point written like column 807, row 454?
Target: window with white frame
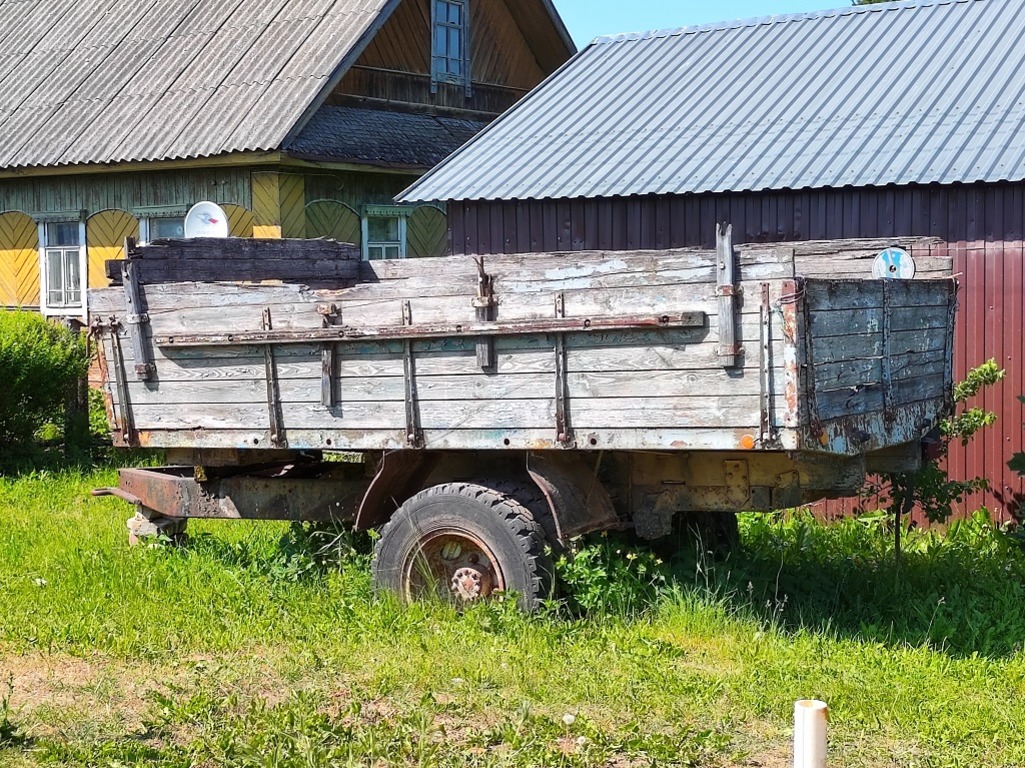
column 62, row 250
column 450, row 45
column 384, row 232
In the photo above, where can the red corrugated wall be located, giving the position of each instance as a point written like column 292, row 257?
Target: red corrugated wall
column 982, row 226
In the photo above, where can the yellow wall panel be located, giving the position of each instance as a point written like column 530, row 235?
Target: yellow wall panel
column 240, row 220
column 19, row 260
column 333, row 219
column 105, row 234
column 279, row 204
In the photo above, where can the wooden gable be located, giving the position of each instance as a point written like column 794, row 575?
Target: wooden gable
column 505, row 61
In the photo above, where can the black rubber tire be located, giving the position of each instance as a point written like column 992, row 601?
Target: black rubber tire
column 491, row 515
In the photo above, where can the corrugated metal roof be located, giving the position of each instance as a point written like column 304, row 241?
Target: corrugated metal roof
column 921, row 92
column 101, row 81
column 397, row 139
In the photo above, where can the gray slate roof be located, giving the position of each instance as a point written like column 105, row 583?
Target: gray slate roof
column 899, row 93
column 378, row 137
column 98, row 81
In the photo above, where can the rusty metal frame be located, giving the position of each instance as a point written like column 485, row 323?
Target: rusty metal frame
column 332, row 316
column 578, row 499
column 414, row 432
column 765, row 396
column 484, row 306
column 136, row 318
column 126, row 422
column 563, row 430
column 277, row 427
column 438, row 331
column 399, row 475
column 312, row 492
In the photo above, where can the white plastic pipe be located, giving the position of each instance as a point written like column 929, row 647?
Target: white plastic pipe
column 810, row 718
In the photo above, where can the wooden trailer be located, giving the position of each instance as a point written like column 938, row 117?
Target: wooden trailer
column 492, row 403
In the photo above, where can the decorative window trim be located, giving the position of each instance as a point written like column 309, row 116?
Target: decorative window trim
column 383, row 211
column 160, row 211
column 47, row 251
column 437, row 76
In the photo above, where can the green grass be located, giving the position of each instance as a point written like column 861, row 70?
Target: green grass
column 241, row 650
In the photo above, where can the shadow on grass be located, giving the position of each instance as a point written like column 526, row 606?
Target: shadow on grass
column 962, row 591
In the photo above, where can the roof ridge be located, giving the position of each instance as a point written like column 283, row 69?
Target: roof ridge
column 757, row 21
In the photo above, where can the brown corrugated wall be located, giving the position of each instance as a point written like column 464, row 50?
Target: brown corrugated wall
column 981, row 224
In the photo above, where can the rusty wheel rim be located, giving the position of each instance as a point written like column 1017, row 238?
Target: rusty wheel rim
column 453, row 565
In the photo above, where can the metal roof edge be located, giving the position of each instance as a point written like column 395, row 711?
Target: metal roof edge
column 403, row 196
column 757, row 21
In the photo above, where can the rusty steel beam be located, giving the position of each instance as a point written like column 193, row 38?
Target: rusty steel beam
column 175, row 492
column 438, row 330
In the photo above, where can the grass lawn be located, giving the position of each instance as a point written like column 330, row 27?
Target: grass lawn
column 240, row 650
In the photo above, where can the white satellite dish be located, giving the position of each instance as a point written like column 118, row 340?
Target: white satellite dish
column 894, row 264
column 206, row 219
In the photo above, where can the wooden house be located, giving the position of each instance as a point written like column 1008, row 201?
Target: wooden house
column 301, row 118
column 881, row 121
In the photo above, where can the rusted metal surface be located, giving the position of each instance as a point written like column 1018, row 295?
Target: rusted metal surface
column 794, row 367
column 578, row 500
column 137, row 318
column 277, row 426
column 399, row 475
column 174, row 492
column 423, row 331
column 765, row 371
column 563, row 429
column 484, row 305
column 124, row 423
column 414, row 433
column 454, row 564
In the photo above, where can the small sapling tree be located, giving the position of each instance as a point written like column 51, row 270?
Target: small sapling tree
column 930, row 488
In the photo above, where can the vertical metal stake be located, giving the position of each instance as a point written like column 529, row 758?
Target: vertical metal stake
column 766, row 377
column 126, row 424
column 563, row 430
column 414, row 434
column 277, row 430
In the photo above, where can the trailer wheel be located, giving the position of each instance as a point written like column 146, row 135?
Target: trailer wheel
column 463, row 542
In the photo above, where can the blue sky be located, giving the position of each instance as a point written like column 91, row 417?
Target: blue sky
column 587, row 19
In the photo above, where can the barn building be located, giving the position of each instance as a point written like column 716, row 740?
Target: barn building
column 302, row 118
column 882, row 121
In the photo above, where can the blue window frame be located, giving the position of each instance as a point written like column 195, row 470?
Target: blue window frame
column 449, row 44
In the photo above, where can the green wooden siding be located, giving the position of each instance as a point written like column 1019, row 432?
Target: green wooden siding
column 126, row 191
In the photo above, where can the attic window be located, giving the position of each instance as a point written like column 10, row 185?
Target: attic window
column 450, row 61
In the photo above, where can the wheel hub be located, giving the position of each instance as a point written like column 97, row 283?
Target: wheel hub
column 471, row 582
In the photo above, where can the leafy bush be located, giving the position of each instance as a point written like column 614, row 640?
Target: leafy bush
column 610, row 574
column 40, row 363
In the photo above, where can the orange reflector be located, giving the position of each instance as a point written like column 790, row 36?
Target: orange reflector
column 747, row 442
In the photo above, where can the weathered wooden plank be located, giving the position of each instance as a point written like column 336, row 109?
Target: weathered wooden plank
column 247, row 384
column 840, row 348
column 594, row 413
column 869, row 370
column 836, row 403
column 663, row 438
column 860, row 294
